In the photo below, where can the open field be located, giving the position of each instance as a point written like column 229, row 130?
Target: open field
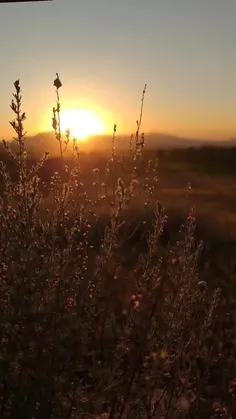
column 212, row 195
column 181, row 185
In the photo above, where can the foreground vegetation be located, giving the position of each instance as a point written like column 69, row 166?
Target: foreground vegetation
column 106, row 316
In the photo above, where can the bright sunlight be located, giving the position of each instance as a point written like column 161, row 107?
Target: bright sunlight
column 82, row 123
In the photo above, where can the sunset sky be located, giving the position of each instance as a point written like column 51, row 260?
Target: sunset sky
column 106, row 50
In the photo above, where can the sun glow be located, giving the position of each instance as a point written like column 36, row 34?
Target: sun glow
column 81, row 123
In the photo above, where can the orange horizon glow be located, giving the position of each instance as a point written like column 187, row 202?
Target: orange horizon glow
column 88, row 116
column 98, row 110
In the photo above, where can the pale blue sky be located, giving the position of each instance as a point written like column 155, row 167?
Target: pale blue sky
column 106, row 50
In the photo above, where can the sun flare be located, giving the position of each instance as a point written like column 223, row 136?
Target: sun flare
column 81, row 123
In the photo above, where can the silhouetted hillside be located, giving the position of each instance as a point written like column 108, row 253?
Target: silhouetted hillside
column 42, row 142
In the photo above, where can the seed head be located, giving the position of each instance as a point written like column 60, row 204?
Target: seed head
column 57, row 82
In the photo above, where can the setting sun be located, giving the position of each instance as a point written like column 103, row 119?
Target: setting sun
column 81, row 123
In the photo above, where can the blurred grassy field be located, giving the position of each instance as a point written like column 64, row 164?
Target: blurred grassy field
column 204, row 178
column 214, row 196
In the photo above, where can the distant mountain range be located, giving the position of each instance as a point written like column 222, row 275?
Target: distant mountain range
column 42, row 142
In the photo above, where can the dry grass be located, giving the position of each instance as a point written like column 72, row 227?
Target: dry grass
column 113, row 316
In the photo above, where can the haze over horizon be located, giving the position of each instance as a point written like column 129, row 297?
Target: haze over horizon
column 105, row 51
